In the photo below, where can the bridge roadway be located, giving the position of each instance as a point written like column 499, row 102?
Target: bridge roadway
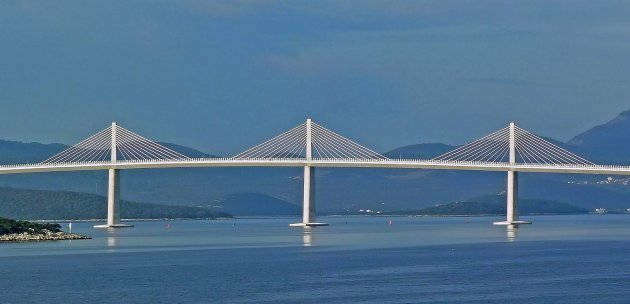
column 318, row 162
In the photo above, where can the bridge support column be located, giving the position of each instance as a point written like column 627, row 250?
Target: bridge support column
column 113, row 190
column 308, row 212
column 308, row 208
column 512, row 201
column 512, row 187
column 113, row 198
column 113, row 202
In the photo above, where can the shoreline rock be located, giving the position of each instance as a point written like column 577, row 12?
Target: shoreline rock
column 47, row 235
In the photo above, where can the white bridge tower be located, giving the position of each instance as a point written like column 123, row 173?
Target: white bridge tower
column 308, row 208
column 512, row 186
column 113, row 190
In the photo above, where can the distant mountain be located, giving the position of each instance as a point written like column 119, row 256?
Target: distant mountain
column 606, row 143
column 190, row 152
column 15, row 152
column 255, row 204
column 65, row 205
column 495, row 205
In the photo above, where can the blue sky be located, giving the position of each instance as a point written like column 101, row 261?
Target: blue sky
column 223, row 75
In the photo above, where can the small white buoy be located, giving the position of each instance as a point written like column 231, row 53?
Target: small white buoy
column 70, row 227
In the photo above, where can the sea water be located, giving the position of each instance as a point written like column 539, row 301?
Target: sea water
column 557, row 259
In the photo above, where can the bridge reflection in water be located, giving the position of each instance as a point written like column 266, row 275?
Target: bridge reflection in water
column 512, row 232
column 308, row 237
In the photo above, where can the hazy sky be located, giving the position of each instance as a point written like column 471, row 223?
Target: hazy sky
column 223, row 75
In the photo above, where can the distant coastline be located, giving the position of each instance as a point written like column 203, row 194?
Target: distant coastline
column 493, row 205
column 132, row 220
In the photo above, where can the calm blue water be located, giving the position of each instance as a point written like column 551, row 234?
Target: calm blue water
column 558, row 259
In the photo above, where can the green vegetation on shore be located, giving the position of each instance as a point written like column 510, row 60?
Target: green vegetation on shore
column 8, row 226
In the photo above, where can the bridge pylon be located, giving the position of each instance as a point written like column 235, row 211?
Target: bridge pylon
column 308, row 207
column 512, row 185
column 113, row 190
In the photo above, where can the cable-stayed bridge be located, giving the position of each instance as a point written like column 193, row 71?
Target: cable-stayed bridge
column 309, row 145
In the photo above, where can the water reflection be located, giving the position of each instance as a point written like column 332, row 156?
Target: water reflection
column 307, row 236
column 111, row 241
column 512, row 232
column 111, row 237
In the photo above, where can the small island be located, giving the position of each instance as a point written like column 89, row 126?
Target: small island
column 20, row 231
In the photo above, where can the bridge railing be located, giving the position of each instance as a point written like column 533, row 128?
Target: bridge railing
column 317, row 160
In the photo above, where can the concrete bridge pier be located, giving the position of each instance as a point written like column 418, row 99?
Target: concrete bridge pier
column 512, row 201
column 308, row 207
column 512, row 187
column 113, row 191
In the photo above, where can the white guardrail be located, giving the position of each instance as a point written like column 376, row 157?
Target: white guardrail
column 373, row 162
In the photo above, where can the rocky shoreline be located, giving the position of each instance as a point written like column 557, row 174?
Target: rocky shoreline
column 46, row 235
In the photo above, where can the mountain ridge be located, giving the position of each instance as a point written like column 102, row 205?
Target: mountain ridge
column 28, row 204
column 607, row 142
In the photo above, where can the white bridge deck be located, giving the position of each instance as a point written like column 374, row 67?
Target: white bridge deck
column 322, row 162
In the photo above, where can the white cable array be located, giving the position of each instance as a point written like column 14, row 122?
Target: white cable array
column 290, row 144
column 530, row 149
column 326, row 144
column 534, row 149
column 130, row 147
column 491, row 148
column 92, row 148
